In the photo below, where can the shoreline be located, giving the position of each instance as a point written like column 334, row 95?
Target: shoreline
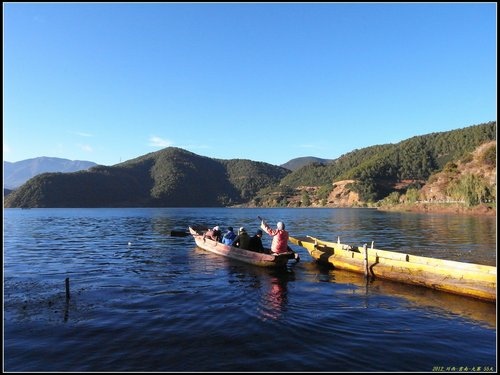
column 444, row 208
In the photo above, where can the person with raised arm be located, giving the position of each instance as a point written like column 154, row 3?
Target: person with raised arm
column 280, row 236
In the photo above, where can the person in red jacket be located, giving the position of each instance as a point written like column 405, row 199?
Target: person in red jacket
column 280, row 237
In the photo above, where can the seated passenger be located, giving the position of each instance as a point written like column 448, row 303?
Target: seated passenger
column 229, row 237
column 214, row 234
column 242, row 240
column 256, row 242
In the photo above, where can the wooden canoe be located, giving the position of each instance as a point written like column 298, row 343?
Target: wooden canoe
column 247, row 256
column 467, row 279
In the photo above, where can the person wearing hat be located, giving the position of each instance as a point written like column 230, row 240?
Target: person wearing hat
column 229, row 237
column 256, row 242
column 214, row 234
column 280, row 237
column 217, row 234
column 242, row 240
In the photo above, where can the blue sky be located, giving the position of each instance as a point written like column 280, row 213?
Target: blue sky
column 108, row 82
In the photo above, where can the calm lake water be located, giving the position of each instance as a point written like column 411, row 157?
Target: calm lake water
column 142, row 300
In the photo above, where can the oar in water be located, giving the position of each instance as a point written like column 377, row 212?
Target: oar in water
column 183, row 233
column 179, row 233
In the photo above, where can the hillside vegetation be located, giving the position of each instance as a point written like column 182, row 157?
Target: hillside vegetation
column 171, row 177
column 370, row 176
column 467, row 185
column 375, row 172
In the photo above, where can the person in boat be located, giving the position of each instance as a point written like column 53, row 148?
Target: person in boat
column 279, row 243
column 229, row 237
column 255, row 243
column 214, row 234
column 217, row 234
column 242, row 240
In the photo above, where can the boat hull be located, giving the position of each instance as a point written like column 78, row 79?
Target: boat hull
column 246, row 256
column 467, row 279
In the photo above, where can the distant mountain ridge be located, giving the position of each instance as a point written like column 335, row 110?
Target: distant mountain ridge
column 298, row 163
column 171, row 177
column 17, row 173
column 174, row 177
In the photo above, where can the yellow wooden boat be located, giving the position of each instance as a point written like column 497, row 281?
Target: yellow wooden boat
column 467, row 279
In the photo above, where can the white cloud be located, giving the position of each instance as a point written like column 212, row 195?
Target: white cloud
column 6, row 149
column 155, row 141
column 86, row 148
column 81, row 134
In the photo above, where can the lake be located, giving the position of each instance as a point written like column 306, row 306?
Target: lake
column 144, row 301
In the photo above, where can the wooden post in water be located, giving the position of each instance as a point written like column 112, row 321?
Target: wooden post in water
column 67, row 289
column 365, row 262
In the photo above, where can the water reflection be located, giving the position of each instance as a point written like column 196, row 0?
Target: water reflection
column 157, row 303
column 414, row 296
column 274, row 299
column 268, row 286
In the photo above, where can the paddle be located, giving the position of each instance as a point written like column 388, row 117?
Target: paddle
column 261, row 219
column 183, row 233
column 178, row 233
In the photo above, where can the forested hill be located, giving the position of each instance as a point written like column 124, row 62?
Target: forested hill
column 171, row 177
column 376, row 168
column 174, row 177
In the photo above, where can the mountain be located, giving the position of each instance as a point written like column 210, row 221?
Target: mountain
column 298, row 163
column 171, row 177
column 174, row 177
column 472, row 175
column 375, row 168
column 371, row 174
column 17, row 173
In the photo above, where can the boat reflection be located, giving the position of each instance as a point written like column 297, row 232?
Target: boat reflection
column 272, row 288
column 270, row 284
column 417, row 297
column 274, row 297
